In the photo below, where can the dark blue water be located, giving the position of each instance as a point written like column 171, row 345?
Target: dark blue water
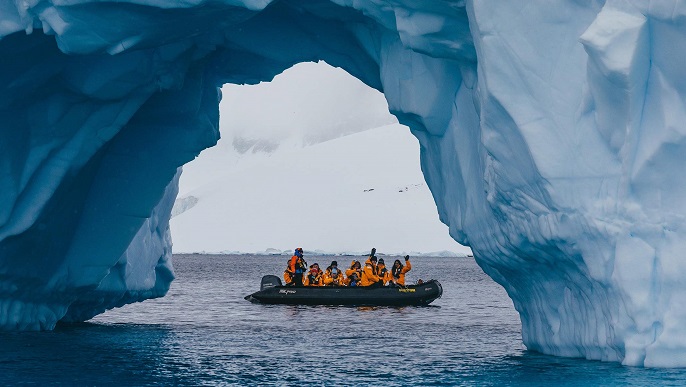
column 205, row 333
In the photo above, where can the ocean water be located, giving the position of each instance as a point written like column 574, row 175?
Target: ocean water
column 204, row 333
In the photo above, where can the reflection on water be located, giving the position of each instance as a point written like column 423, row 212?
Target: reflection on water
column 204, row 333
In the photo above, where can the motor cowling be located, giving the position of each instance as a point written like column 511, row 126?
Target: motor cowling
column 270, row 281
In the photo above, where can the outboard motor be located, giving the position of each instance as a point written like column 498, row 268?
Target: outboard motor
column 269, row 281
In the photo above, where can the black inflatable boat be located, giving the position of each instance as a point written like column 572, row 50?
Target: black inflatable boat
column 272, row 292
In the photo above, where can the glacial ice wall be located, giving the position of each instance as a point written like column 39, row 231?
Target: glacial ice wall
column 552, row 135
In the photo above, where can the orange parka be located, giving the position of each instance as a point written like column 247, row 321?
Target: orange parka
column 329, row 280
column 291, row 264
column 317, row 279
column 369, row 276
column 400, row 280
column 294, row 264
column 384, row 273
column 352, row 270
column 290, row 270
column 287, row 276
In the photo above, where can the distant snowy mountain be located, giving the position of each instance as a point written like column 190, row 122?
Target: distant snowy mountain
column 307, row 104
column 340, row 182
column 341, row 196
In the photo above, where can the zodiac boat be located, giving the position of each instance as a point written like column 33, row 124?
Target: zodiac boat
column 273, row 292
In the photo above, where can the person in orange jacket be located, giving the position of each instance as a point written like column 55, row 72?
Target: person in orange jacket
column 296, row 269
column 369, row 276
column 353, row 274
column 398, row 271
column 314, row 276
column 287, row 277
column 383, row 273
column 333, row 276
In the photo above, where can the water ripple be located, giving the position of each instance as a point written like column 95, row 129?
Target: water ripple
column 204, row 333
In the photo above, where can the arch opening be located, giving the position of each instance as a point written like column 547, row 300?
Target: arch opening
column 314, row 159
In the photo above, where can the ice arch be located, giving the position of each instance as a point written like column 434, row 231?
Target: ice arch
column 552, row 133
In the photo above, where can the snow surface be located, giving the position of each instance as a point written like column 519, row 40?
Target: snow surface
column 313, row 187
column 552, row 137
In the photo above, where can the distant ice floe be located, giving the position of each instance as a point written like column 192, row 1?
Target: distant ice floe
column 271, row 251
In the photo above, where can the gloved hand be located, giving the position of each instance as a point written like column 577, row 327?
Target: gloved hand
column 407, row 257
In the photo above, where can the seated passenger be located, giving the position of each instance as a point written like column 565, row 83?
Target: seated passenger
column 288, row 277
column 339, row 278
column 369, row 277
column 353, row 274
column 314, row 276
column 333, row 277
column 289, row 273
column 354, row 266
column 383, row 273
column 398, row 271
column 353, row 280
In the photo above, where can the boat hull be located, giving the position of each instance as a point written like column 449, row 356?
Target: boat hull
column 416, row 295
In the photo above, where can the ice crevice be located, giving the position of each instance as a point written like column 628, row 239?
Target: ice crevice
column 552, row 134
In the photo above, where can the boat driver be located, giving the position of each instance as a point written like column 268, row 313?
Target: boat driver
column 296, row 269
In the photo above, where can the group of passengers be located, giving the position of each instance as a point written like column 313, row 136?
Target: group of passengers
column 374, row 274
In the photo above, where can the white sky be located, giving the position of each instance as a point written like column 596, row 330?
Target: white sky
column 310, row 190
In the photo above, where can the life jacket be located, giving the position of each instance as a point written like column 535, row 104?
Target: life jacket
column 396, row 271
column 399, row 272
column 300, row 266
column 382, row 272
column 338, row 279
column 313, row 279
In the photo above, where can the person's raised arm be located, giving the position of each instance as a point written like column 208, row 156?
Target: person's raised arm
column 408, row 265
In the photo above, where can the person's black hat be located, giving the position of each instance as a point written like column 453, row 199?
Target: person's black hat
column 381, row 261
column 373, row 258
column 334, row 263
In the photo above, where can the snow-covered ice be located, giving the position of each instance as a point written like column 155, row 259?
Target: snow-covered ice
column 341, row 196
column 552, row 137
column 301, row 175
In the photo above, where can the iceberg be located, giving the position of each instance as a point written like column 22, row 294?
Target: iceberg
column 552, row 133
